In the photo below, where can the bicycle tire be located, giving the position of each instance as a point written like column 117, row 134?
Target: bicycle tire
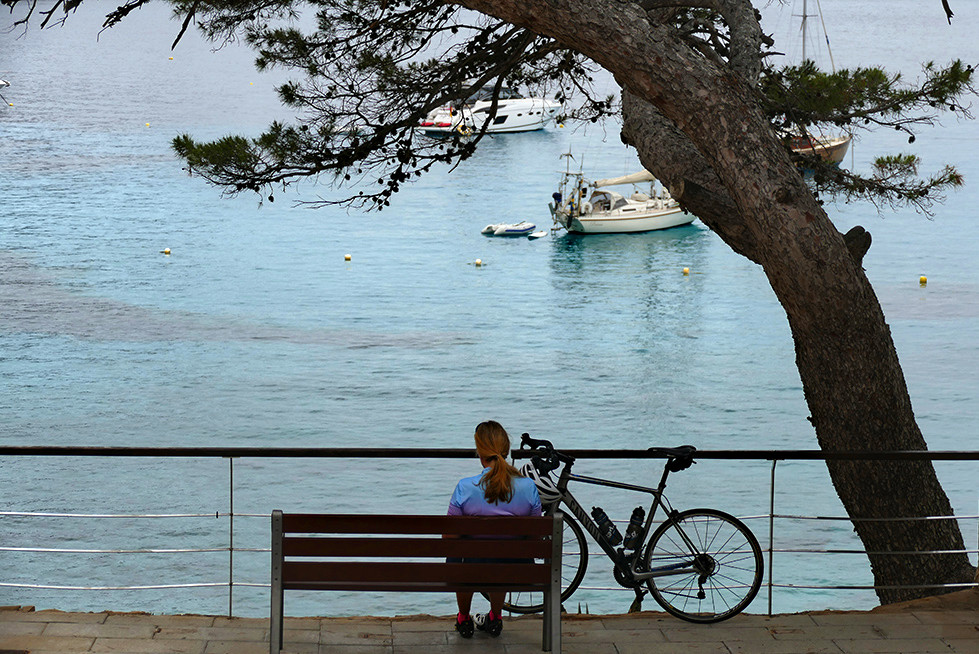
column 574, row 562
column 730, row 566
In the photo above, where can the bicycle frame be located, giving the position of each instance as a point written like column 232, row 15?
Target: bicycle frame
column 659, row 499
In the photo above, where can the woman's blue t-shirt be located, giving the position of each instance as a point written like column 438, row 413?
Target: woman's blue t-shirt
column 469, row 499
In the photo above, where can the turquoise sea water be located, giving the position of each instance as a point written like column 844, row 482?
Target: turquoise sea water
column 255, row 331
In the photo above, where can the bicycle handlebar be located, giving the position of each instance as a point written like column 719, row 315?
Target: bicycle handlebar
column 534, row 443
column 549, row 459
column 678, row 458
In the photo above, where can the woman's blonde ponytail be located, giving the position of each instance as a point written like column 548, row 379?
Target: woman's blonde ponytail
column 493, row 445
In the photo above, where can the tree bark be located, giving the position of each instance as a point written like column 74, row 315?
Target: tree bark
column 698, row 127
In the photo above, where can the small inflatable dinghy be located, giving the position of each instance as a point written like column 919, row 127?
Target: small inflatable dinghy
column 506, row 229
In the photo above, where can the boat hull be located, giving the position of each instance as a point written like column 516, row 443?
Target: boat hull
column 831, row 150
column 598, row 224
column 611, row 223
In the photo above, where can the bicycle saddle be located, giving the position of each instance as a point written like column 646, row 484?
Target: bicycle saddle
column 679, row 458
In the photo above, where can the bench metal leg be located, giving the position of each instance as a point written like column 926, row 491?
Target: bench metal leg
column 276, row 617
column 552, row 599
column 546, row 635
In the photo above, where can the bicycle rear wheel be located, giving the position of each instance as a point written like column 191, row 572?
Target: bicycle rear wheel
column 574, row 561
column 715, row 579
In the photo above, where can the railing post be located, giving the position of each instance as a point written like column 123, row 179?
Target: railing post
column 771, row 534
column 231, row 535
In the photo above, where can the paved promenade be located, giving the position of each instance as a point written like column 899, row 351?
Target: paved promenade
column 939, row 626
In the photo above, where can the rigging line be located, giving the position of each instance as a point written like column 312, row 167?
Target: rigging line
column 819, row 10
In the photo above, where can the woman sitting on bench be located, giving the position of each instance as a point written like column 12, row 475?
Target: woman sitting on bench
column 498, row 490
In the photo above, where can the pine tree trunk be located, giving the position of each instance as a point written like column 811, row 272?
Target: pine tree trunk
column 697, row 128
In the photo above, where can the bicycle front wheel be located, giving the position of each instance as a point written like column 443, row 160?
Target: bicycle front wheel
column 710, row 563
column 574, row 561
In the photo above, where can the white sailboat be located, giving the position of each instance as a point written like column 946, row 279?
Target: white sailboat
column 831, row 148
column 608, row 212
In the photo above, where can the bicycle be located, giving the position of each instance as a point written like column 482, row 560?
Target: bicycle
column 700, row 565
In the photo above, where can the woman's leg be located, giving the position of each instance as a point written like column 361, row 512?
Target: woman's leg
column 465, row 601
column 464, row 622
column 496, row 603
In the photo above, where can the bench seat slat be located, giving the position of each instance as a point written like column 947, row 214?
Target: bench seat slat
column 297, row 523
column 406, row 587
column 476, row 573
column 295, row 546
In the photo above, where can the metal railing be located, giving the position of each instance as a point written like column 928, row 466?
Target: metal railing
column 234, row 453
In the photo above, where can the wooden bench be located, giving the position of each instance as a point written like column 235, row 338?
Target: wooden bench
column 368, row 553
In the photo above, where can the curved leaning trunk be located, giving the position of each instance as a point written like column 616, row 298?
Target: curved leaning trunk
column 697, row 128
column 853, row 382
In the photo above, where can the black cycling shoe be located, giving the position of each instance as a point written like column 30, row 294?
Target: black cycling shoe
column 464, row 626
column 490, row 623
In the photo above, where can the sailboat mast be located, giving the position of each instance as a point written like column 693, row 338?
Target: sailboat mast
column 805, row 32
column 805, row 16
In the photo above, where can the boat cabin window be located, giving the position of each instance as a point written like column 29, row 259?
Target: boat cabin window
column 486, row 93
column 599, row 201
column 499, row 120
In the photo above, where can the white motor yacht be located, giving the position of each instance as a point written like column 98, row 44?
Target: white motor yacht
column 514, row 113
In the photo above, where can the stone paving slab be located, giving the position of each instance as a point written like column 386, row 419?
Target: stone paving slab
column 950, row 630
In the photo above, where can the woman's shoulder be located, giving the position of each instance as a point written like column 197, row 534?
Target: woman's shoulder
column 524, row 481
column 475, row 479
column 467, row 484
column 526, row 484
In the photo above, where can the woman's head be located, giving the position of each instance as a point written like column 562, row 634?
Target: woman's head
column 493, row 446
column 492, row 441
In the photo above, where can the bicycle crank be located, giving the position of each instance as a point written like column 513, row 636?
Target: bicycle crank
column 622, row 572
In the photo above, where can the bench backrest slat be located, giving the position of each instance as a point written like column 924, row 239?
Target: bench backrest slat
column 306, row 523
column 306, row 546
